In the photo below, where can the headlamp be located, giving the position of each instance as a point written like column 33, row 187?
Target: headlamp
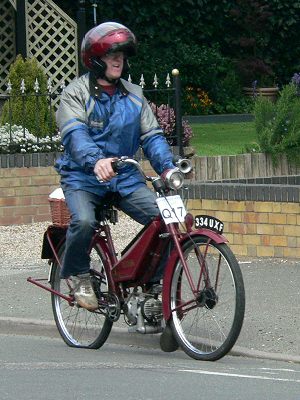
column 174, row 179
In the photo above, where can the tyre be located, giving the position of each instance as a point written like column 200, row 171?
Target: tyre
column 77, row 326
column 207, row 324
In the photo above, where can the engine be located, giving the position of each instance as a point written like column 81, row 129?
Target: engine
column 152, row 309
column 144, row 313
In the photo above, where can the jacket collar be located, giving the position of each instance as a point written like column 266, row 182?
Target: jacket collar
column 96, row 90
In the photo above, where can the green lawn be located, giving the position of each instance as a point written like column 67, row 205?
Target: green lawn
column 222, row 139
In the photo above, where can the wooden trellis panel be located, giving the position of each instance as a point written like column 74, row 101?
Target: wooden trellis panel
column 52, row 40
column 7, row 44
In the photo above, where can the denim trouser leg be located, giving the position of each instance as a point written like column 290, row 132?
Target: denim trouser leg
column 82, row 206
column 140, row 205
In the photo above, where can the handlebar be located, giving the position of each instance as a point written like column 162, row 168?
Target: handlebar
column 173, row 178
column 183, row 164
column 126, row 160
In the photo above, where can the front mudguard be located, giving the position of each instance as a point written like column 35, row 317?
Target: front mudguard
column 171, row 263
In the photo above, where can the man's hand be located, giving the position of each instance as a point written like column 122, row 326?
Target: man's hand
column 103, row 169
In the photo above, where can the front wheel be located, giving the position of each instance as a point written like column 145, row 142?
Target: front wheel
column 77, row 326
column 206, row 320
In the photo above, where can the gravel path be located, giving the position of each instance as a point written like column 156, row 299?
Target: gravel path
column 21, row 245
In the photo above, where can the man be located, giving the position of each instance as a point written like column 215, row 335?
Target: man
column 102, row 117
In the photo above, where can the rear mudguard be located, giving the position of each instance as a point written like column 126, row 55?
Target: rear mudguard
column 52, row 241
column 171, row 263
column 100, row 242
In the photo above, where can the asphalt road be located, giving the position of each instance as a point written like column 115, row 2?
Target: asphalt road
column 38, row 368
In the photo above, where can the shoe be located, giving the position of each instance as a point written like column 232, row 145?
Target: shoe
column 84, row 293
column 167, row 341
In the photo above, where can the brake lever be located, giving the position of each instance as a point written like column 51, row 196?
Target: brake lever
column 117, row 164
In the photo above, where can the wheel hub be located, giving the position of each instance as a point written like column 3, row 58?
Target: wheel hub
column 207, row 298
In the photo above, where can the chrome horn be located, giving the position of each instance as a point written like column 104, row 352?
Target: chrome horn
column 184, row 165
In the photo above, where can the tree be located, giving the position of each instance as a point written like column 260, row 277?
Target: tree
column 29, row 109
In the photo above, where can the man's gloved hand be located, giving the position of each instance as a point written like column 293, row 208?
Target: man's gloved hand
column 164, row 174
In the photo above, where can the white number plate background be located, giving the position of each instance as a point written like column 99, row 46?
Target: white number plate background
column 171, row 208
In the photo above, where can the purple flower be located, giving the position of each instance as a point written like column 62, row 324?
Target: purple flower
column 296, row 79
column 166, row 118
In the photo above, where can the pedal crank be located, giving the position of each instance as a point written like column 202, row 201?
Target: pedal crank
column 109, row 304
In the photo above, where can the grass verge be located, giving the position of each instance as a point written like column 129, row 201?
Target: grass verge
column 223, row 139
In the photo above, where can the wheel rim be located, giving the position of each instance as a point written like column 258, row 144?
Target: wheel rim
column 78, row 326
column 204, row 324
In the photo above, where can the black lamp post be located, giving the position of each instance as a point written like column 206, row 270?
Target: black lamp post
column 81, row 30
column 21, row 47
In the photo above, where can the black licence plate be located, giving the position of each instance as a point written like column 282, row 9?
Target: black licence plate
column 208, row 222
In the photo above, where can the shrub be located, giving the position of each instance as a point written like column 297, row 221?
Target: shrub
column 278, row 124
column 208, row 78
column 229, row 97
column 30, row 109
column 19, row 140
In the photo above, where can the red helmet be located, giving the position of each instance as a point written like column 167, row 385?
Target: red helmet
column 106, row 38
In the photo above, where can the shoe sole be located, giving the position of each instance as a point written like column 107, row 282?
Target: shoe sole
column 87, row 307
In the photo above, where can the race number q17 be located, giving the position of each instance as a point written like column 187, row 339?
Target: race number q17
column 171, row 209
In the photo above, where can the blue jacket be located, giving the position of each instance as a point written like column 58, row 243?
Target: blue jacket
column 94, row 125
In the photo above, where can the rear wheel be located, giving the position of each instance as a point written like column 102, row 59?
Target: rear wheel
column 207, row 323
column 78, row 326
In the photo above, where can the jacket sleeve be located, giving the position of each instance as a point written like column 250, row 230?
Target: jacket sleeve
column 153, row 143
column 72, row 122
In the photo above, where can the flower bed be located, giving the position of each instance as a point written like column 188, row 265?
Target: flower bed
column 16, row 139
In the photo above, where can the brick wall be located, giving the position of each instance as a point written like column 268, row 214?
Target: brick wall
column 261, row 218
column 24, row 194
column 256, row 228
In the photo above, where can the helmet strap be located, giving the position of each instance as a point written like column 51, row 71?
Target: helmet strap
column 111, row 81
column 99, row 67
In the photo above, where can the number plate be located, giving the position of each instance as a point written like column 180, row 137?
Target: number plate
column 212, row 223
column 171, row 209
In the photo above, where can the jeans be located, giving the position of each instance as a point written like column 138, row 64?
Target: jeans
column 139, row 205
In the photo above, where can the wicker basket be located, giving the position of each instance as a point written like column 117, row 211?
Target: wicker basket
column 59, row 212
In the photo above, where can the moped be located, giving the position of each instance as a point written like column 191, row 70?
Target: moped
column 202, row 303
